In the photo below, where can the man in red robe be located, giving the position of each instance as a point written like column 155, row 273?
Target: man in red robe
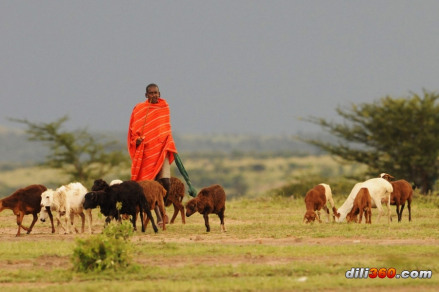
column 150, row 141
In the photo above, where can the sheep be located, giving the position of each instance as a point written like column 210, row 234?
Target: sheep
column 154, row 193
column 378, row 188
column 129, row 193
column 402, row 192
column 22, row 202
column 362, row 203
column 175, row 197
column 68, row 201
column 316, row 199
column 210, row 200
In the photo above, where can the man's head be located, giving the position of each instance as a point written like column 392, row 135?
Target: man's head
column 152, row 93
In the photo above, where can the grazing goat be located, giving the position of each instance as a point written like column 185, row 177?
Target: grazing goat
column 175, row 197
column 129, row 193
column 379, row 189
column 68, row 201
column 210, row 200
column 154, row 193
column 23, row 202
column 402, row 192
column 362, row 203
column 316, row 199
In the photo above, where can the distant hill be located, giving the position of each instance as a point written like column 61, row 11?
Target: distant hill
column 16, row 149
column 228, row 143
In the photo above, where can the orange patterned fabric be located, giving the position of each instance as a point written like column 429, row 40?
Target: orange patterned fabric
column 148, row 158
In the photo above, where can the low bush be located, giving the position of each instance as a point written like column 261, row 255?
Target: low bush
column 301, row 185
column 109, row 250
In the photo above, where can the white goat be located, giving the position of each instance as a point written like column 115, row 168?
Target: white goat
column 379, row 190
column 68, row 201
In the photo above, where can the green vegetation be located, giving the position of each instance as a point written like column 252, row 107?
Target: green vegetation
column 259, row 174
column 395, row 135
column 265, row 248
column 241, row 176
column 77, row 154
column 109, row 250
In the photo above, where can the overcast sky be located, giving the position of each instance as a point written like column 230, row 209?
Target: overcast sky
column 223, row 66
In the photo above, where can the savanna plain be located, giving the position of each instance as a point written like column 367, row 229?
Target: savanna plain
column 266, row 248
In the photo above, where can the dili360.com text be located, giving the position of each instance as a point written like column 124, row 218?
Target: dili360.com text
column 373, row 273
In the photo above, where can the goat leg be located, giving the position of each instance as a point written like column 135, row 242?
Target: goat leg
column 149, row 215
column 176, row 211
column 82, row 215
column 33, row 223
column 20, row 216
column 141, row 220
column 51, row 219
column 133, row 220
column 221, row 216
column 400, row 213
column 206, row 221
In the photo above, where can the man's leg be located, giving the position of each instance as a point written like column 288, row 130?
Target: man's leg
column 163, row 178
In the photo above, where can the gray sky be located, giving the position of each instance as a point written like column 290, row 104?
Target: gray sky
column 224, row 66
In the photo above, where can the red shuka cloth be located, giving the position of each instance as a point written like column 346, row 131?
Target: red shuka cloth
column 148, row 158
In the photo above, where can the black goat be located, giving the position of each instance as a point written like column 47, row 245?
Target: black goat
column 129, row 193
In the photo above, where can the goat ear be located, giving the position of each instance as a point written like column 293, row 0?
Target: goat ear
column 94, row 197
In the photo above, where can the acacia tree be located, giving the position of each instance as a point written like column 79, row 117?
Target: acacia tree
column 399, row 136
column 76, row 153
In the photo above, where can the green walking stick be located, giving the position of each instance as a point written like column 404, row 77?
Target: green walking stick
column 179, row 163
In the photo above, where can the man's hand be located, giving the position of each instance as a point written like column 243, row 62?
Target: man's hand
column 138, row 142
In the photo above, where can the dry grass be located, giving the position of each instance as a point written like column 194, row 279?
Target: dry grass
column 266, row 247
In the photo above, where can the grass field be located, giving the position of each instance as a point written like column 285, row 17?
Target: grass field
column 266, row 248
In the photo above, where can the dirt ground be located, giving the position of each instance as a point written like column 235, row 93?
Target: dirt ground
column 42, row 232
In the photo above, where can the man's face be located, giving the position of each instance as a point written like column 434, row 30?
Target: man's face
column 153, row 94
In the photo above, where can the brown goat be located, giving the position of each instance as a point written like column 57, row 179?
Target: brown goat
column 175, row 197
column 402, row 192
column 362, row 203
column 316, row 199
column 210, row 200
column 154, row 193
column 23, row 202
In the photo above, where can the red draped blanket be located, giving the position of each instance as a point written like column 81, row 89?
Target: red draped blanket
column 157, row 144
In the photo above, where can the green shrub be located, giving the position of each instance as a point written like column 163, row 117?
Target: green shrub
column 109, row 250
column 301, row 185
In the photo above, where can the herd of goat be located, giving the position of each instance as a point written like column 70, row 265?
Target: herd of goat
column 369, row 194
column 122, row 199
column 117, row 200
